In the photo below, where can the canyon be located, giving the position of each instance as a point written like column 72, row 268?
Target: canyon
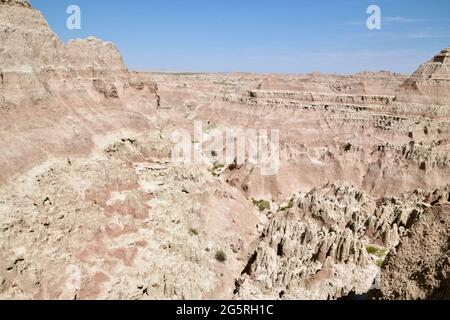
column 93, row 207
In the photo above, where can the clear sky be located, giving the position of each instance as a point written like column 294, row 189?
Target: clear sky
column 293, row 36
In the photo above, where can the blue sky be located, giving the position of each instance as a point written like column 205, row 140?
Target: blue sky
column 293, row 36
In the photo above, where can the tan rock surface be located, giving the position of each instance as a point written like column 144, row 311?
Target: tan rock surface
column 420, row 266
column 430, row 83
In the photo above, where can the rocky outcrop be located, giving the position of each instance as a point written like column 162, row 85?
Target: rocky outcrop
column 419, row 268
column 94, row 54
column 124, row 223
column 56, row 97
column 430, row 83
column 315, row 240
column 360, row 100
column 26, row 42
column 426, row 157
column 18, row 3
column 364, row 83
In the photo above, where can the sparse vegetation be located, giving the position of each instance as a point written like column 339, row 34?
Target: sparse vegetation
column 371, row 250
column 380, row 263
column 218, row 166
column 288, row 206
column 262, row 205
column 221, row 256
column 378, row 252
column 193, row 231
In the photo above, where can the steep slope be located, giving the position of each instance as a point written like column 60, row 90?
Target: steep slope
column 420, row 266
column 55, row 98
column 90, row 205
column 430, row 83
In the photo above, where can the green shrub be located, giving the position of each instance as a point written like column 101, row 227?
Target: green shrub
column 193, row 232
column 221, row 256
column 217, row 166
column 380, row 263
column 289, row 205
column 262, row 205
column 376, row 251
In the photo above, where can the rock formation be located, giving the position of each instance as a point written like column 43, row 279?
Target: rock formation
column 47, row 86
column 420, row 266
column 93, row 207
column 18, row 3
column 430, row 83
column 330, row 242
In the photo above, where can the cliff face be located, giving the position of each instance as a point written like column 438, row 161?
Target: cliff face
column 92, row 53
column 364, row 83
column 430, row 83
column 29, row 45
column 48, row 88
